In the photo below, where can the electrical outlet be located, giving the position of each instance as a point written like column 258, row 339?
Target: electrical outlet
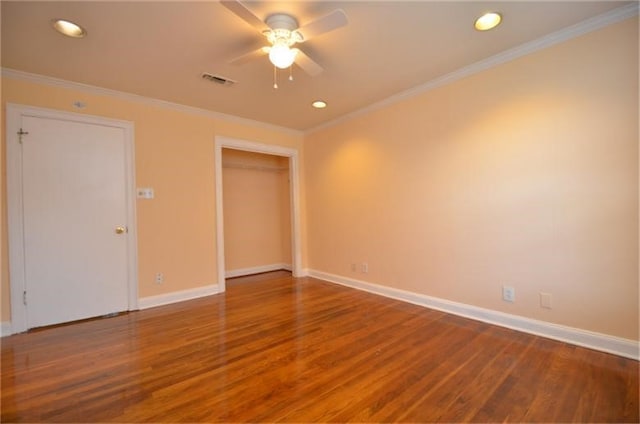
column 353, row 267
column 145, row 193
column 545, row 300
column 508, row 294
column 365, row 267
column 159, row 278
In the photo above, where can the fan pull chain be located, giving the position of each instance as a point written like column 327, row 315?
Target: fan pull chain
column 291, row 73
column 275, row 77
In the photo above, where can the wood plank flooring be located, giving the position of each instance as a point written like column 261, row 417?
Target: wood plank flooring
column 276, row 348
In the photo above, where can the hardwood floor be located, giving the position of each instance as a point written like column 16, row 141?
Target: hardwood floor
column 276, row 348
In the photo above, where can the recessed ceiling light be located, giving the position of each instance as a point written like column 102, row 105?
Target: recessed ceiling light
column 488, row 21
column 319, row 104
column 68, row 28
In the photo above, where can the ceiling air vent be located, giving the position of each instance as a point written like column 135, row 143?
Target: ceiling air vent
column 218, row 79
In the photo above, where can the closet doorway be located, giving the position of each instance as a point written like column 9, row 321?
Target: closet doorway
column 257, row 209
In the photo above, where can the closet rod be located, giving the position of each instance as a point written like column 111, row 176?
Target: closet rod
column 254, row 167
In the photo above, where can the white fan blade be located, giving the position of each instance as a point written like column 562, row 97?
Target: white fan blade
column 307, row 64
column 333, row 20
column 245, row 14
column 262, row 51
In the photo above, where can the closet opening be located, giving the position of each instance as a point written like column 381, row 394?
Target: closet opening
column 257, row 209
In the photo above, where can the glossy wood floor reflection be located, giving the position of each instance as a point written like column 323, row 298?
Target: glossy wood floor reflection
column 275, row 348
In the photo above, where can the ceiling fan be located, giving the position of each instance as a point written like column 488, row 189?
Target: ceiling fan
column 283, row 33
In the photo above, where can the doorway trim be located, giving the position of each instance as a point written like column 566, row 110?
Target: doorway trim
column 15, row 218
column 294, row 196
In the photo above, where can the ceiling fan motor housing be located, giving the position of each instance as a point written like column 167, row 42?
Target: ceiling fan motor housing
column 281, row 21
column 283, row 29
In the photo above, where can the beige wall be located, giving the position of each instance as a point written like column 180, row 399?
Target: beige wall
column 175, row 155
column 257, row 227
column 523, row 175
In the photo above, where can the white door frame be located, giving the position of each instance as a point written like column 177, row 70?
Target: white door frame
column 294, row 196
column 15, row 217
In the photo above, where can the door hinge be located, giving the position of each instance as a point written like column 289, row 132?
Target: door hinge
column 20, row 134
column 24, row 297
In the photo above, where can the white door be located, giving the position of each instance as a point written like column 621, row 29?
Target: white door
column 74, row 194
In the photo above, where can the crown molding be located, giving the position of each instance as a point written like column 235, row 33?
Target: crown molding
column 91, row 89
column 565, row 34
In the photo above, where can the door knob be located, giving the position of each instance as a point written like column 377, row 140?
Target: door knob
column 120, row 230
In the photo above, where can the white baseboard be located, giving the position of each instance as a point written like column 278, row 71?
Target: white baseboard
column 148, row 302
column 256, row 270
column 598, row 341
column 5, row 328
column 177, row 296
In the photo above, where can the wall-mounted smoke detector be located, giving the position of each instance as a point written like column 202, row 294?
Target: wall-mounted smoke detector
column 218, row 79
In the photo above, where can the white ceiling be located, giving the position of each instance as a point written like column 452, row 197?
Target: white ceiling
column 160, row 49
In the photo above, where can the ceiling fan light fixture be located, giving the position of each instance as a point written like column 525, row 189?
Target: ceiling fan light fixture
column 281, row 55
column 488, row 21
column 68, row 28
